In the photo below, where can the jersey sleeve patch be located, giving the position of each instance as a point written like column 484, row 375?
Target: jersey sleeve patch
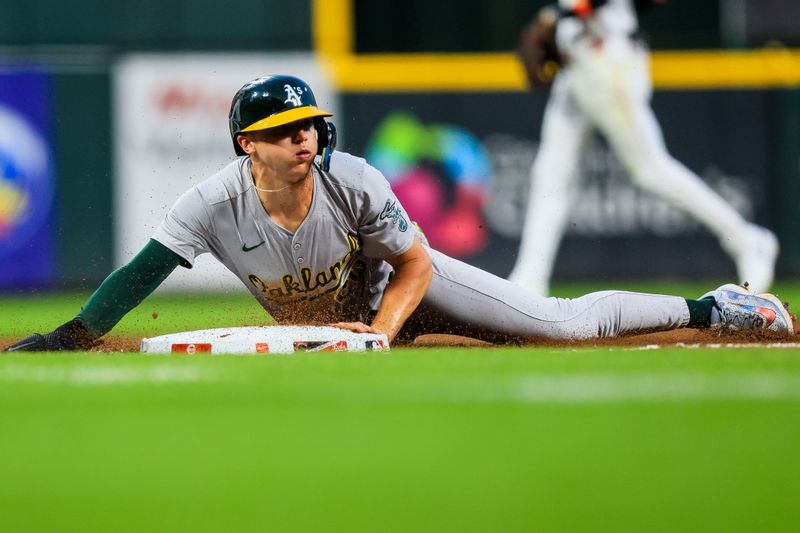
column 394, row 214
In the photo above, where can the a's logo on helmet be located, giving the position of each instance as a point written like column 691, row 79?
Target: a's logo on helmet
column 293, row 95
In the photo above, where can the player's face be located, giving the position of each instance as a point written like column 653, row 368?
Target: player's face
column 289, row 150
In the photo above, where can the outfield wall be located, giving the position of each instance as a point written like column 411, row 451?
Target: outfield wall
column 745, row 142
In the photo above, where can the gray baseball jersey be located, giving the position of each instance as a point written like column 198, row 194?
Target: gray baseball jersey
column 332, row 268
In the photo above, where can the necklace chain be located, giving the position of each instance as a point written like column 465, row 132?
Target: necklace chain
column 256, row 187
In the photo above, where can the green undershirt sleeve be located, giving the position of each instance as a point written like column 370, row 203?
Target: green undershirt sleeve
column 700, row 312
column 127, row 286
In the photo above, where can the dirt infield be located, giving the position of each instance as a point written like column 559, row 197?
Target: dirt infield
column 676, row 338
column 680, row 337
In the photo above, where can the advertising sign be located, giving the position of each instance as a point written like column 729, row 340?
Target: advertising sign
column 26, row 179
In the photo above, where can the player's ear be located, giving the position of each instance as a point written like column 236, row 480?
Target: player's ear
column 245, row 143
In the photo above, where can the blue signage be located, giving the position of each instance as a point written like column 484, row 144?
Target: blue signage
column 27, row 179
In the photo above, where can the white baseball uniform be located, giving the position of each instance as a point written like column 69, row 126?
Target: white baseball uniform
column 605, row 84
column 332, row 269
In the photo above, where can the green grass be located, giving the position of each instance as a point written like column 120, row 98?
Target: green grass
column 499, row 439
column 433, row 440
column 157, row 315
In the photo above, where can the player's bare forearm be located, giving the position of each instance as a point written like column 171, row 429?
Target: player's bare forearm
column 412, row 276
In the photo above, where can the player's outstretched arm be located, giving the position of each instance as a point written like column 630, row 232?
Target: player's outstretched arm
column 123, row 290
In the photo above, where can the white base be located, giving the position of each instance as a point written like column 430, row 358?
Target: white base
column 266, row 340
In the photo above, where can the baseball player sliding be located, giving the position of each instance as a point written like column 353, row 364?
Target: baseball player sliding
column 604, row 83
column 318, row 235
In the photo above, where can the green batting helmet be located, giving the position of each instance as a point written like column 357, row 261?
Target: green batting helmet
column 274, row 101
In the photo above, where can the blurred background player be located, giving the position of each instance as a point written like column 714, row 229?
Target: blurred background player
column 603, row 83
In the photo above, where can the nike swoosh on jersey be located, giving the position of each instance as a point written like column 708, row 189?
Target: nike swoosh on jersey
column 245, row 248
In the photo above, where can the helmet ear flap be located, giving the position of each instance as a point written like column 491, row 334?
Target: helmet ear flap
column 326, row 143
column 322, row 134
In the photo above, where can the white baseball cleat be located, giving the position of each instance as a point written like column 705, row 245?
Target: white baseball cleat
column 755, row 261
column 736, row 308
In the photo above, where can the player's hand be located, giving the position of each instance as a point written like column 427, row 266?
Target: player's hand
column 357, row 327
column 70, row 336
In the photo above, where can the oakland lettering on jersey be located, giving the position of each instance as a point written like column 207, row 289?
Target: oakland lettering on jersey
column 395, row 214
column 345, row 272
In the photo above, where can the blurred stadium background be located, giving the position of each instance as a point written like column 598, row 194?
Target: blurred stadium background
column 108, row 111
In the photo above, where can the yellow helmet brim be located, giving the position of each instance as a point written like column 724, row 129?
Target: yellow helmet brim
column 285, row 117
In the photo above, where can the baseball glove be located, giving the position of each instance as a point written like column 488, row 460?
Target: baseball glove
column 537, row 48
